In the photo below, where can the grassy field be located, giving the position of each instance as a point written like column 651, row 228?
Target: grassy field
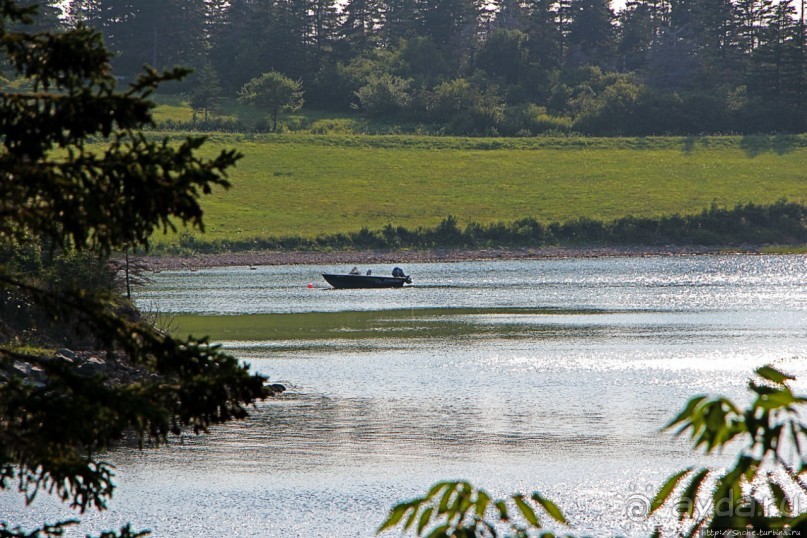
column 305, row 185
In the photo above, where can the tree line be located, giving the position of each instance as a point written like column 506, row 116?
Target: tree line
column 509, row 67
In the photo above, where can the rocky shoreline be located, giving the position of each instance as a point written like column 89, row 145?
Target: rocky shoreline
column 116, row 369
column 369, row 257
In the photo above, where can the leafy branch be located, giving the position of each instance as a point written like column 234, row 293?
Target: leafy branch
column 770, row 465
column 457, row 509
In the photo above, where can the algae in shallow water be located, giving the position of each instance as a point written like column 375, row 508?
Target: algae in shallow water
column 405, row 323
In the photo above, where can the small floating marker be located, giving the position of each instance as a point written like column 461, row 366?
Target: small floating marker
column 310, row 285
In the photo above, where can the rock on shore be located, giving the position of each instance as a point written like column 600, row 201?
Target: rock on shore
column 86, row 363
column 117, row 369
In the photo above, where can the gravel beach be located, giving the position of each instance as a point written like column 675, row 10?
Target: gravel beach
column 365, row 257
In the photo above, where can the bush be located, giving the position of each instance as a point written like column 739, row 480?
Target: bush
column 386, row 95
column 334, row 126
column 528, row 119
column 226, row 125
column 466, row 108
column 62, row 273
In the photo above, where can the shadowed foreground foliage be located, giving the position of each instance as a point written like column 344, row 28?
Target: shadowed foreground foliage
column 57, row 199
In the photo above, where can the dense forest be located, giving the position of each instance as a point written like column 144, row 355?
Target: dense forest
column 507, row 67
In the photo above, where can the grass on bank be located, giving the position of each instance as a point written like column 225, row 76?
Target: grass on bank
column 298, row 185
column 784, row 249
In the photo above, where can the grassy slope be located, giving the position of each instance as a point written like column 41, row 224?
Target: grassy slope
column 306, row 185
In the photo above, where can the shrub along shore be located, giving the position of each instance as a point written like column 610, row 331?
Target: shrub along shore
column 747, row 228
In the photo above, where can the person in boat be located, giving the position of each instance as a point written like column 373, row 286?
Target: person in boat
column 398, row 273
column 369, row 272
column 354, row 271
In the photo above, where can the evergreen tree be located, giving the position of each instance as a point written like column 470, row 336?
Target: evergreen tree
column 641, row 24
column 776, row 80
column 216, row 19
column 400, row 21
column 509, row 15
column 635, row 35
column 159, row 33
column 181, row 33
column 591, row 32
column 323, row 26
column 262, row 36
column 751, row 16
column 235, row 45
column 361, row 24
column 672, row 62
column 711, row 26
column 285, row 37
column 452, row 25
column 218, row 25
column 545, row 35
column 207, row 94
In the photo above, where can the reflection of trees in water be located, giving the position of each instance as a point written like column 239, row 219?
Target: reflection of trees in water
column 315, row 431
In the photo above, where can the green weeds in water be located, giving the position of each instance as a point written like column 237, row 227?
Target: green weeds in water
column 318, row 326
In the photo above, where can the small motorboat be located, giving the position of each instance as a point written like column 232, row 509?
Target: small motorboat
column 354, row 280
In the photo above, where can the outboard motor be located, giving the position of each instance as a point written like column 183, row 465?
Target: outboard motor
column 398, row 273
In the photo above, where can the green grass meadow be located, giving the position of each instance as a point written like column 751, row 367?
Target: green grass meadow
column 305, row 185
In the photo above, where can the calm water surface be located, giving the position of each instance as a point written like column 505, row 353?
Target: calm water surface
column 544, row 375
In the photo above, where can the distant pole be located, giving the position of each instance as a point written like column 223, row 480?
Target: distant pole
column 801, row 85
column 801, row 21
column 126, row 270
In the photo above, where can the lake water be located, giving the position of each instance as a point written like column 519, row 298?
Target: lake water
column 551, row 375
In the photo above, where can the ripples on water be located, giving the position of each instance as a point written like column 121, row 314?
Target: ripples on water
column 686, row 283
column 550, row 375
